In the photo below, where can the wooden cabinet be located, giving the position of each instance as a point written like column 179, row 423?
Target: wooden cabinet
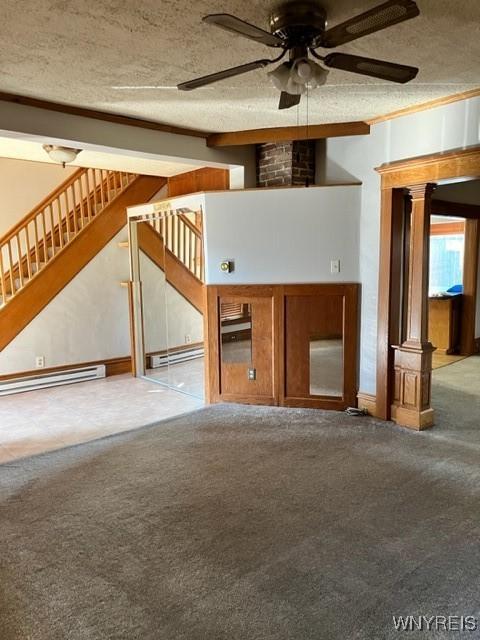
column 444, row 323
column 296, row 346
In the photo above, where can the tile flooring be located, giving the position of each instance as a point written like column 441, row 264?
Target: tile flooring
column 48, row 419
column 187, row 377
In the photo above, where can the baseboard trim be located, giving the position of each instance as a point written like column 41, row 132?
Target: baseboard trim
column 113, row 367
column 367, row 401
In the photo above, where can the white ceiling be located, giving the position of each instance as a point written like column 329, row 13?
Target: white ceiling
column 30, row 150
column 76, row 52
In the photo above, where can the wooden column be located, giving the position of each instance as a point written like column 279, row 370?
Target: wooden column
column 413, row 358
column 470, row 282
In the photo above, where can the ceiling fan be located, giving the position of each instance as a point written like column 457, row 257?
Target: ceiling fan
column 298, row 28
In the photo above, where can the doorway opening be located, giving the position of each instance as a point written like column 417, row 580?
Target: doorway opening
column 415, row 194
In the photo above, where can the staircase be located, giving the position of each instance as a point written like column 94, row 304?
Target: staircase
column 50, row 245
column 41, row 235
column 174, row 244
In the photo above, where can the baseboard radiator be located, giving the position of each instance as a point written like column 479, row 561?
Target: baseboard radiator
column 51, row 379
column 157, row 360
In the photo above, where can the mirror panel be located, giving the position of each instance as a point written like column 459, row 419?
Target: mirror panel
column 184, row 320
column 326, row 366
column 314, row 331
column 154, row 310
column 236, row 332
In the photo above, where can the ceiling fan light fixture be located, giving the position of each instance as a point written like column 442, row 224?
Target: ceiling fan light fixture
column 281, row 75
column 296, row 77
column 295, row 88
column 320, row 75
column 62, row 155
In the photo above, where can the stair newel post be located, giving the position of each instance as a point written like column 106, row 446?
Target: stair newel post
column 135, row 300
column 413, row 358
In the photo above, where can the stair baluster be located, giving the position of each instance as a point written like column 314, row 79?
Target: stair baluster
column 43, row 233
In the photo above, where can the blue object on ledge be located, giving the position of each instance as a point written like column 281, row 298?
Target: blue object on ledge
column 457, row 288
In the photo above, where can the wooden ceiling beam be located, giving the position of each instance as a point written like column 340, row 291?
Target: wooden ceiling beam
column 285, row 134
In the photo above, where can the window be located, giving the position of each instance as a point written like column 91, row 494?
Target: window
column 446, row 261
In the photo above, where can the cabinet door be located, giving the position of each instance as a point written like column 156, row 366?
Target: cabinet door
column 319, row 340
column 241, row 365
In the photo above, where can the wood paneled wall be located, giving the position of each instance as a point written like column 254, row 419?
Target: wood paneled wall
column 205, row 179
column 285, row 318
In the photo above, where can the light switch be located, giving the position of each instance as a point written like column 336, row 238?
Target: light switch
column 335, row 266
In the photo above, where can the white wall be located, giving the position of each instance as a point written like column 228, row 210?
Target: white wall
column 449, row 127
column 97, row 135
column 167, row 317
column 88, row 320
column 283, row 235
column 23, row 185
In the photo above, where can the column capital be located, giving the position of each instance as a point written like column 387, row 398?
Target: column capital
column 421, row 191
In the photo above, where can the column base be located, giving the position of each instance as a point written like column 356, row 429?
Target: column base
column 413, row 377
column 412, row 419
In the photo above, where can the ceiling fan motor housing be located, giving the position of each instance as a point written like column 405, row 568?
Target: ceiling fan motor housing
column 298, row 22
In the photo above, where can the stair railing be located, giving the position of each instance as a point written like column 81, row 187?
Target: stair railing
column 184, row 239
column 40, row 235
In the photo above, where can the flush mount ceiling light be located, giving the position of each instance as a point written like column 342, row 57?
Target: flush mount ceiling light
column 62, row 155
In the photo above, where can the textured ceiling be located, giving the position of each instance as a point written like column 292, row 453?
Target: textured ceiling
column 77, row 51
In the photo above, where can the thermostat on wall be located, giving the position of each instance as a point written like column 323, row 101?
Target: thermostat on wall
column 227, row 266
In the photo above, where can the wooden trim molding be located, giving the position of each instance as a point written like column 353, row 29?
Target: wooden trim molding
column 447, row 228
column 204, row 179
column 445, row 208
column 113, row 367
column 463, row 163
column 404, row 370
column 99, row 115
column 425, row 106
column 283, row 134
column 470, row 288
column 367, row 401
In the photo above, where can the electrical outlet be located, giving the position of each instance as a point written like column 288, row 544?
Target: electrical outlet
column 188, row 339
column 39, row 362
column 252, row 374
column 334, row 266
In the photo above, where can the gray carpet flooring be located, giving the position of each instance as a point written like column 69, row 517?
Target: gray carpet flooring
column 243, row 523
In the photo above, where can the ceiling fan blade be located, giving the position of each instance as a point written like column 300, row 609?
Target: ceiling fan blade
column 288, row 100
column 371, row 67
column 222, row 75
column 381, row 17
column 242, row 28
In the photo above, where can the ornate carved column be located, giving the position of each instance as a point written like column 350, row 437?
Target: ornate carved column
column 413, row 358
